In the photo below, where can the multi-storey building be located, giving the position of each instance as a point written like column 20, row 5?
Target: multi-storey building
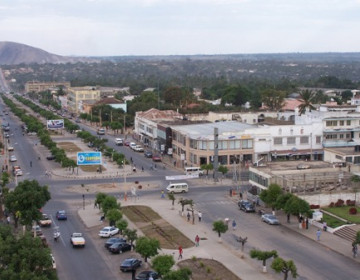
column 42, row 86
column 76, row 96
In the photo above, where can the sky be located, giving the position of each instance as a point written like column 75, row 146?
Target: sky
column 182, row 27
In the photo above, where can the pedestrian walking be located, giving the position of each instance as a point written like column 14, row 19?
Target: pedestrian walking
column 307, row 223
column 162, row 194
column 318, row 234
column 325, row 226
column 188, row 216
column 200, row 216
column 197, row 240
column 288, row 218
column 354, row 250
column 30, row 163
column 180, row 253
column 234, row 224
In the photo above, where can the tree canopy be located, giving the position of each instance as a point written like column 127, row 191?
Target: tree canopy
column 280, row 265
column 147, row 247
column 220, row 227
column 162, row 264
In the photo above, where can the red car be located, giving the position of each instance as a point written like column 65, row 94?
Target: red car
column 126, row 143
column 156, row 158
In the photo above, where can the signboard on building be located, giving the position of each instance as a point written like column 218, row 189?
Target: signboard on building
column 181, row 177
column 55, row 124
column 89, row 158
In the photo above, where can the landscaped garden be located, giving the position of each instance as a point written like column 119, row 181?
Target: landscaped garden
column 343, row 212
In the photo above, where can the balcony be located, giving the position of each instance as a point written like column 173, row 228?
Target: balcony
column 342, row 143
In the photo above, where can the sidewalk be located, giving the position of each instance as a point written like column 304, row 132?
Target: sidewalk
column 209, row 248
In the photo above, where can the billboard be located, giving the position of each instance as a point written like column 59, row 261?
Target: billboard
column 55, row 124
column 89, row 158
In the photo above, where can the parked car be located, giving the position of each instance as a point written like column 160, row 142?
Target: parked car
column 126, row 143
column 270, row 219
column 156, row 158
column 108, row 231
column 10, row 148
column 45, row 221
column 61, row 215
column 50, row 157
column 119, row 248
column 246, row 206
column 144, row 275
column 119, row 141
column 7, row 135
column 13, row 158
column 130, row 264
column 132, row 145
column 148, row 154
column 37, row 229
column 138, row 148
column 113, row 240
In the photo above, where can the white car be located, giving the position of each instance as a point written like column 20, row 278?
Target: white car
column 119, row 141
column 77, row 240
column 13, row 158
column 108, row 231
column 10, row 148
column 132, row 145
column 138, row 148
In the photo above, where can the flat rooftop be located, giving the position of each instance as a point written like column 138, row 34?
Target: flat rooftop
column 227, row 130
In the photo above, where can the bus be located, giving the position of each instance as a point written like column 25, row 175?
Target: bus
column 194, row 170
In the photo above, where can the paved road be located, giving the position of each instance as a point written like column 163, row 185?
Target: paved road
column 3, row 85
column 312, row 259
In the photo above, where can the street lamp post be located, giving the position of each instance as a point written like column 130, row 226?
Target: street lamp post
column 83, row 196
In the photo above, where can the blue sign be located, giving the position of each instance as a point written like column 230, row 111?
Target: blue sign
column 89, row 158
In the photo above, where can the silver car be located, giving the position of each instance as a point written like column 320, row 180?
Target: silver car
column 270, row 219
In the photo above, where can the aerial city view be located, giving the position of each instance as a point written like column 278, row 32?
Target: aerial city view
column 179, row 140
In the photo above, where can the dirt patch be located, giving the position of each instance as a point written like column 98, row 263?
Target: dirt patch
column 206, row 269
column 152, row 225
column 69, row 147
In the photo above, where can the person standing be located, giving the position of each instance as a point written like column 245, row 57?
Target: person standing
column 30, row 163
column 307, row 223
column 188, row 216
column 197, row 240
column 354, row 250
column 200, row 216
column 318, row 234
column 234, row 225
column 180, row 253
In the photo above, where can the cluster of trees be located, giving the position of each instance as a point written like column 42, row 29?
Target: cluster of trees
column 24, row 256
column 278, row 264
column 34, row 125
column 276, row 198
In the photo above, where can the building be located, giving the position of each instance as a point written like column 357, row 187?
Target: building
column 43, row 86
column 76, row 96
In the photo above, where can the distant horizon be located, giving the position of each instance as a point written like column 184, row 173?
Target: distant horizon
column 182, row 27
column 199, row 54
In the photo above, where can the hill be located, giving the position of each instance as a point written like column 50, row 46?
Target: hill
column 15, row 53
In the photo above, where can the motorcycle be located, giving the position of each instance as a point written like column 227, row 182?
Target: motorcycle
column 56, row 234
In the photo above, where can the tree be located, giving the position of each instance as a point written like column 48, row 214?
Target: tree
column 122, row 224
column 162, row 264
column 273, row 99
column 220, row 227
column 131, row 235
column 357, row 238
column 280, row 265
column 307, row 97
column 207, row 167
column 263, row 256
column 26, row 200
column 297, row 206
column 270, row 195
column 180, row 274
column 113, row 215
column 184, row 202
column 108, row 203
column 24, row 257
column 223, row 169
column 147, row 247
column 171, row 196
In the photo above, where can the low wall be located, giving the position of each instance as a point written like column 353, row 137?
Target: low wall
column 325, row 199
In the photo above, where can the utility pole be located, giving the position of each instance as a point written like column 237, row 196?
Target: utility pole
column 124, row 126
column 216, row 153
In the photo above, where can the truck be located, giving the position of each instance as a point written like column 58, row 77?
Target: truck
column 17, row 171
column 77, row 240
column 119, row 142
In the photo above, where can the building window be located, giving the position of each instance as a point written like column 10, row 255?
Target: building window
column 202, row 145
column 341, row 123
column 348, row 136
column 341, row 136
column 348, row 122
column 302, row 131
column 304, row 140
column 277, row 141
column 318, row 139
column 193, row 144
column 331, row 123
column 356, row 160
column 291, row 140
column 247, row 144
column 348, row 159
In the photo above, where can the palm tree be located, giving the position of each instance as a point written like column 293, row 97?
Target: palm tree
column 307, row 98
